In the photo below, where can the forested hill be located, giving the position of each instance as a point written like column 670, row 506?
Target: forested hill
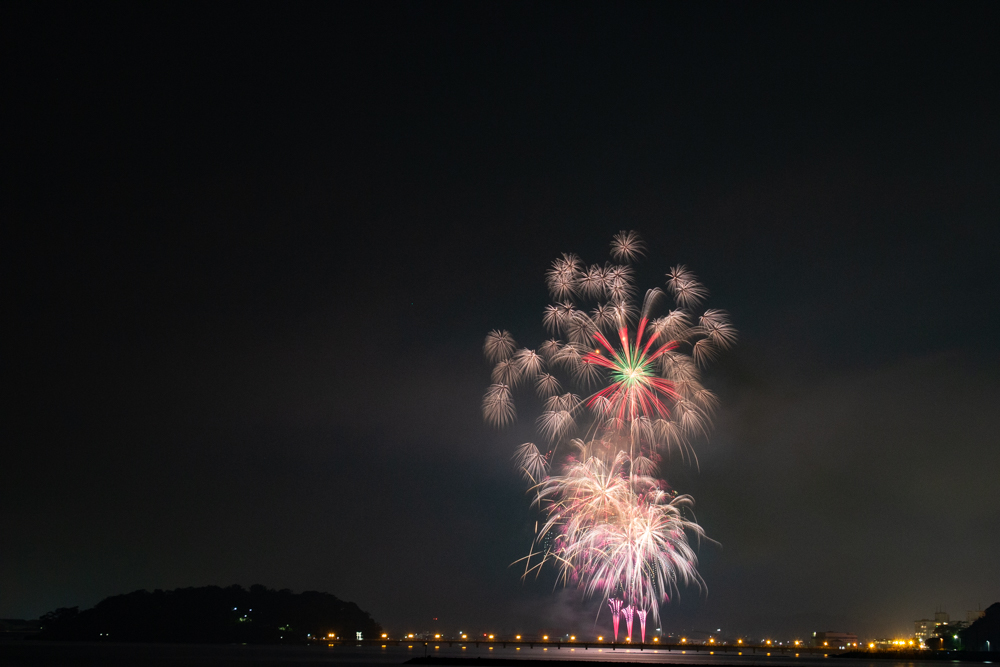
column 212, row 614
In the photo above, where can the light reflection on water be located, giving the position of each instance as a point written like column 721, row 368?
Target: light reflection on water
column 71, row 654
column 393, row 654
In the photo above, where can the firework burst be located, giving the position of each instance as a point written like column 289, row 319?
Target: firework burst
column 619, row 388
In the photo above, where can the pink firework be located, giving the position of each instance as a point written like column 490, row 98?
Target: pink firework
column 619, row 385
column 628, row 613
column 616, row 607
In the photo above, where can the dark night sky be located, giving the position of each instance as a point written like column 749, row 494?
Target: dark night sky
column 249, row 256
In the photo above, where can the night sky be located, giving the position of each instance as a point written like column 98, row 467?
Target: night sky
column 250, row 254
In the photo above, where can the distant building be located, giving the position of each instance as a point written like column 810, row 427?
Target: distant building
column 924, row 629
column 941, row 617
column 838, row 640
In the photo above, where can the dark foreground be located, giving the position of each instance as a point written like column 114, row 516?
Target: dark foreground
column 87, row 654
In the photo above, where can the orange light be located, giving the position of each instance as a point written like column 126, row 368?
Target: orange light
column 545, row 637
column 384, row 635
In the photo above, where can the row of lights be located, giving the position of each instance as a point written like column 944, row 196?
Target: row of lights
column 601, row 639
column 895, row 642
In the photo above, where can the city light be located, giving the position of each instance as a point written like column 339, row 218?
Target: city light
column 545, row 637
column 463, row 636
column 384, row 635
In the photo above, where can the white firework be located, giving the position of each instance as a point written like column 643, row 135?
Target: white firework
column 620, row 387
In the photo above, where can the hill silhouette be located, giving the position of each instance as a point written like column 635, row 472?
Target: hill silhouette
column 212, row 614
column 984, row 634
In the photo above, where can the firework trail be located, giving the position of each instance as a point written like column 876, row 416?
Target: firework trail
column 628, row 613
column 619, row 385
column 616, row 607
column 641, row 613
